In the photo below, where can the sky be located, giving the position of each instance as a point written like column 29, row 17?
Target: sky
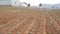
column 36, row 2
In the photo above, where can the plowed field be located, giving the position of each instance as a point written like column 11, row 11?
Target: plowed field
column 29, row 21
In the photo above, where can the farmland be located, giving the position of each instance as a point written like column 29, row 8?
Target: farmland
column 29, row 21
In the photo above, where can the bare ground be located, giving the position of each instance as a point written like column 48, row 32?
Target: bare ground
column 29, row 21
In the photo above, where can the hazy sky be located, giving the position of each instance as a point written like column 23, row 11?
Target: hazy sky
column 36, row 2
